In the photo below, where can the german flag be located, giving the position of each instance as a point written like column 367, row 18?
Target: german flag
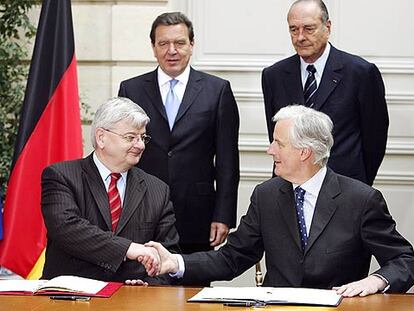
column 49, row 131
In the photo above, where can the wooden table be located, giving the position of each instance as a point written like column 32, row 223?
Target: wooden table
column 174, row 299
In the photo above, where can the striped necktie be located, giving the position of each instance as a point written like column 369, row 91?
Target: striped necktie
column 310, row 85
column 114, row 200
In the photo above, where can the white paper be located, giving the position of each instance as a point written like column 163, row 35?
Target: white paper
column 74, row 283
column 271, row 295
column 20, row 285
column 60, row 283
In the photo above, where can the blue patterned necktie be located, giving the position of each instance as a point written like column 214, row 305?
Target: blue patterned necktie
column 299, row 197
column 172, row 103
column 310, row 85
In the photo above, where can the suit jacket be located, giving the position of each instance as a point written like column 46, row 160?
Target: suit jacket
column 76, row 212
column 351, row 93
column 200, row 152
column 351, row 222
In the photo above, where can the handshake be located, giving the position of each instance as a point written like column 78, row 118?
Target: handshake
column 154, row 257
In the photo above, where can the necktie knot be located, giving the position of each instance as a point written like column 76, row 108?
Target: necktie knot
column 115, row 176
column 173, row 83
column 311, row 69
column 299, row 193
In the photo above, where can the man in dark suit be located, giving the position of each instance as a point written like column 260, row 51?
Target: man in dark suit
column 99, row 210
column 345, row 87
column 318, row 229
column 194, row 148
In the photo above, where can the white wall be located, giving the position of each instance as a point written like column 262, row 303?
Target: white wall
column 236, row 40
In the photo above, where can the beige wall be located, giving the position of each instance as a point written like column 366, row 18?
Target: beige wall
column 236, row 40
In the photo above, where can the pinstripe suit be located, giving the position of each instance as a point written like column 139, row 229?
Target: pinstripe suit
column 76, row 213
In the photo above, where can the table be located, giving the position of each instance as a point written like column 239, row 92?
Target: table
column 174, row 299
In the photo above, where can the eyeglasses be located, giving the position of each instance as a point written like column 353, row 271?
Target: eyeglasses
column 131, row 138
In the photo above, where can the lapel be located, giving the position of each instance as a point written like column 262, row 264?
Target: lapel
column 325, row 208
column 134, row 194
column 293, row 82
column 331, row 77
column 286, row 202
column 97, row 188
column 153, row 91
column 194, row 87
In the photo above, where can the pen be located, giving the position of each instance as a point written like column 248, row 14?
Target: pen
column 69, row 297
column 244, row 304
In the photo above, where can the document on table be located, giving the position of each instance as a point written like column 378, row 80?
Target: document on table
column 59, row 285
column 268, row 295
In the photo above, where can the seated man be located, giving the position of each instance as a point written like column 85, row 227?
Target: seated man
column 99, row 210
column 317, row 229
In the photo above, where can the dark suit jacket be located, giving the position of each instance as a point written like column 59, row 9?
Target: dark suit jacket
column 351, row 93
column 75, row 209
column 201, row 149
column 351, row 222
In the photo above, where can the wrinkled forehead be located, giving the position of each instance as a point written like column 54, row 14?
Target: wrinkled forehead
column 304, row 13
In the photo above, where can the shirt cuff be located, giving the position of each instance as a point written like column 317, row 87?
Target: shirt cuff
column 181, row 267
column 387, row 286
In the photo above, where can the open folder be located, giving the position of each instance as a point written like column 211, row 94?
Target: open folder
column 268, row 295
column 61, row 285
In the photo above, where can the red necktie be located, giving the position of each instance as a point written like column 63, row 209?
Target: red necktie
column 114, row 200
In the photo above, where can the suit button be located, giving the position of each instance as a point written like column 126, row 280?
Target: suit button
column 169, row 154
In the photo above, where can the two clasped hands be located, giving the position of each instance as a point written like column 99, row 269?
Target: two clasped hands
column 158, row 260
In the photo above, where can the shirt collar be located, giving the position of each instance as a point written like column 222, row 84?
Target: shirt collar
column 103, row 170
column 163, row 78
column 314, row 184
column 320, row 62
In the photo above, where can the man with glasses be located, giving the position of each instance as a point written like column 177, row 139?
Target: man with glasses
column 99, row 210
column 194, row 128
column 346, row 87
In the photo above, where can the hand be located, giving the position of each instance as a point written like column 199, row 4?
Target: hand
column 137, row 282
column 218, row 233
column 147, row 256
column 369, row 285
column 168, row 262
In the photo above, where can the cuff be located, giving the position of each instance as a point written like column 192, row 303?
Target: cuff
column 387, row 286
column 181, row 267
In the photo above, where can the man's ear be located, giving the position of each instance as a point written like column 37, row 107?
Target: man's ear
column 305, row 153
column 100, row 138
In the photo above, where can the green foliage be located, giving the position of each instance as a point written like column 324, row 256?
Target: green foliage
column 16, row 32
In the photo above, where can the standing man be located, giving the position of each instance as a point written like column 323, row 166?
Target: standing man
column 99, row 210
column 345, row 87
column 194, row 129
column 317, row 229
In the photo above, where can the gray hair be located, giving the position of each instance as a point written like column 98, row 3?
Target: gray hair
column 311, row 129
column 172, row 18
column 118, row 109
column 320, row 4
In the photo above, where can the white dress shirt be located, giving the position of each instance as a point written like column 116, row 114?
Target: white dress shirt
column 319, row 66
column 164, row 83
column 106, row 177
column 312, row 187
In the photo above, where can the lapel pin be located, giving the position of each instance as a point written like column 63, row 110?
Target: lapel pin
column 335, row 81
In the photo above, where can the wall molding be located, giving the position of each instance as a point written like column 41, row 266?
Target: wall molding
column 383, row 178
column 256, row 65
column 392, row 98
column 249, row 143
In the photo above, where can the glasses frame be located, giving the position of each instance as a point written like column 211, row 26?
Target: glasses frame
column 131, row 138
